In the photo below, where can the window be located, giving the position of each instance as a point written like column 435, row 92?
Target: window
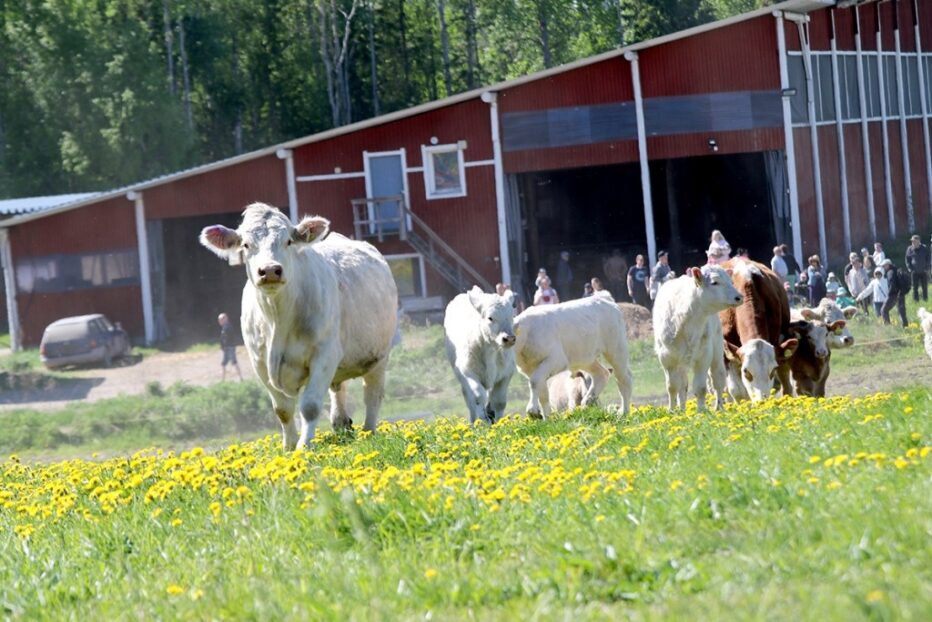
column 889, row 82
column 797, row 76
column 911, row 86
column 824, row 87
column 444, row 171
column 408, row 271
column 62, row 273
column 872, row 86
column 928, row 78
column 848, row 85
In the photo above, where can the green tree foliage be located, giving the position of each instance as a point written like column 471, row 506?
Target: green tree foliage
column 95, row 94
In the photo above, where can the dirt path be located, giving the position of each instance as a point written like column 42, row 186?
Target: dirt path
column 92, row 384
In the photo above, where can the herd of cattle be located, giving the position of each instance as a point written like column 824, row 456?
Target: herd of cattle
column 318, row 309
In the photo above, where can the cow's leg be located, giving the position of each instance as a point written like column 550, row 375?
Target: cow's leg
column 498, row 398
column 783, row 373
column 599, row 379
column 623, row 377
column 538, row 406
column 676, row 387
column 373, row 390
column 311, row 401
column 339, row 413
column 284, row 410
column 474, row 394
column 700, row 374
column 719, row 377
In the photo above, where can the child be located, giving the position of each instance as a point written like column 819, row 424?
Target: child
column 831, row 286
column 546, row 295
column 541, row 275
column 802, row 288
column 719, row 248
column 844, row 300
column 877, row 288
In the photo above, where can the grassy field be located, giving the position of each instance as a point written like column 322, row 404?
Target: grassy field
column 791, row 509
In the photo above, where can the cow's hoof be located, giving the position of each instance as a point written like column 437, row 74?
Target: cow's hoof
column 533, row 414
column 342, row 425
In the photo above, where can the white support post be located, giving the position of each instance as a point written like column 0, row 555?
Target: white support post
column 145, row 281
column 904, row 135
column 865, row 134
column 288, row 156
column 9, row 280
column 632, row 57
column 803, row 30
column 840, row 131
column 924, row 104
column 884, row 133
column 790, row 141
column 492, row 100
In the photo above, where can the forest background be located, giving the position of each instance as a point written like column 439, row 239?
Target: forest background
column 96, row 94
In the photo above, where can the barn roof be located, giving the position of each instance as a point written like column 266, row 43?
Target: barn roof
column 30, row 205
column 798, row 6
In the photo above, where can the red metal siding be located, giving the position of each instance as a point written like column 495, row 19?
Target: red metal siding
column 820, row 31
column 120, row 304
column 560, row 158
column 844, row 29
column 877, row 172
column 831, row 193
column 917, row 161
column 896, row 176
column 467, row 120
column 600, row 83
column 868, row 15
column 223, row 190
column 886, row 23
column 686, row 145
column 808, row 215
column 907, row 33
column 102, row 226
column 925, row 25
column 857, row 187
column 740, row 57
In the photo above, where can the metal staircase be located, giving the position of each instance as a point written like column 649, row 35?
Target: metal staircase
column 396, row 219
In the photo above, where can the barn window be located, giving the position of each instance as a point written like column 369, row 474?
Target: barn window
column 889, row 82
column 872, row 86
column 928, row 77
column 63, row 273
column 911, row 85
column 444, row 171
column 848, row 79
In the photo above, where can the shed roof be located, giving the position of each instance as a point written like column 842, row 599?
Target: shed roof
column 796, row 6
column 29, row 205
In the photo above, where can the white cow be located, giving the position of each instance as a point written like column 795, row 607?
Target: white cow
column 571, row 335
column 925, row 323
column 829, row 313
column 317, row 310
column 567, row 390
column 479, row 335
column 688, row 335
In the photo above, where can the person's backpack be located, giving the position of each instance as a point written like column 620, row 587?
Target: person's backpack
column 903, row 281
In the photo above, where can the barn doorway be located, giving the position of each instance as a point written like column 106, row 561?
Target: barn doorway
column 743, row 195
column 198, row 284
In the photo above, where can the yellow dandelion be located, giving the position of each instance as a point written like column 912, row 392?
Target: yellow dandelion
column 874, row 596
column 430, row 573
column 176, row 522
column 174, row 589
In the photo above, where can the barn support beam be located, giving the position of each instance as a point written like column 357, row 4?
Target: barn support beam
column 904, row 136
column 288, row 156
column 884, row 132
column 802, row 25
column 9, row 281
column 145, row 281
column 924, row 106
column 840, row 137
column 865, row 133
column 790, row 141
column 632, row 57
column 491, row 99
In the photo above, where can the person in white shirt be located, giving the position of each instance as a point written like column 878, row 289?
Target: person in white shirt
column 778, row 264
column 878, row 255
column 877, row 288
column 719, row 248
column 546, row 295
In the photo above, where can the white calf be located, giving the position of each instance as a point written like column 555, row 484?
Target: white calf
column 829, row 313
column 925, row 322
column 479, row 335
column 571, row 335
column 568, row 390
column 687, row 332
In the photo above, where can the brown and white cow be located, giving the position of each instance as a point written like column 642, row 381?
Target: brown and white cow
column 317, row 311
column 811, row 363
column 757, row 340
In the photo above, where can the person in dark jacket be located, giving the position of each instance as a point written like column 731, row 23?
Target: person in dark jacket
column 816, row 288
column 792, row 266
column 917, row 262
column 896, row 295
column 227, row 345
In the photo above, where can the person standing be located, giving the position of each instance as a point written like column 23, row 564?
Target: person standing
column 638, row 282
column 719, row 248
column 875, row 291
column 660, row 273
column 564, row 279
column 615, row 268
column 917, row 262
column 879, row 256
column 227, row 346
column 896, row 295
column 792, row 266
column 856, row 278
column 816, row 287
column 868, row 261
column 546, row 295
column 778, row 264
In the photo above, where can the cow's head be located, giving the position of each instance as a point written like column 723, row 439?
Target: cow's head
column 266, row 242
column 756, row 364
column 835, row 318
column 716, row 289
column 496, row 315
column 813, row 334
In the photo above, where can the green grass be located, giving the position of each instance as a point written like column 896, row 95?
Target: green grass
column 791, row 509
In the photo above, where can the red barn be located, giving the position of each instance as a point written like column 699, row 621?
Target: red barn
column 806, row 122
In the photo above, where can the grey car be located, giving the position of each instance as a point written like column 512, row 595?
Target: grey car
column 82, row 339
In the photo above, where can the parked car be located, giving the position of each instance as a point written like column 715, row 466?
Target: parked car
column 82, row 339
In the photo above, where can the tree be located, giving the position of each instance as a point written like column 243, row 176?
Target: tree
column 335, row 28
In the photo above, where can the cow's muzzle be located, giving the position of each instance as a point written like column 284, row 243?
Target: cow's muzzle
column 270, row 274
column 507, row 340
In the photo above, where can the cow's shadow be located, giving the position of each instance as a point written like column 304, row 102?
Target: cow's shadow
column 25, row 389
